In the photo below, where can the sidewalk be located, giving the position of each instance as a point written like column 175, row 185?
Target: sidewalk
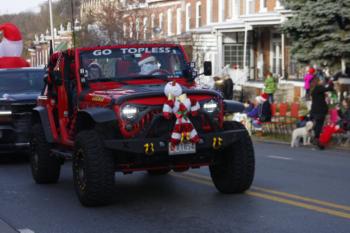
column 5, row 228
column 284, row 142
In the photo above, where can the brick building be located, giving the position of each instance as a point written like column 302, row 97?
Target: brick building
column 244, row 33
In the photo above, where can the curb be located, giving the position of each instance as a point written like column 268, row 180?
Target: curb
column 6, row 228
column 256, row 139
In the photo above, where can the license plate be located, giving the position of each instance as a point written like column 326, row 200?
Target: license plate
column 182, row 148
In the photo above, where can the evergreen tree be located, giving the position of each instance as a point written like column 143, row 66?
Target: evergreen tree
column 319, row 30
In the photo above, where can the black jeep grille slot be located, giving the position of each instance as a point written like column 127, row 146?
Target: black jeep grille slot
column 22, row 109
column 155, row 125
column 22, row 125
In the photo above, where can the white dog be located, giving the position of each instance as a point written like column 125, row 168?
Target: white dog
column 244, row 119
column 304, row 132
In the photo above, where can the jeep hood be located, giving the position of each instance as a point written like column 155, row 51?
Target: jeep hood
column 133, row 92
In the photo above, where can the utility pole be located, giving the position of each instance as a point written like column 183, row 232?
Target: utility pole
column 51, row 26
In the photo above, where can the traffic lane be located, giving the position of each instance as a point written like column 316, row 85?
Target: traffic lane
column 318, row 174
column 149, row 204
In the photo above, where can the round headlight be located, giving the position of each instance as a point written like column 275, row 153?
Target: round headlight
column 129, row 112
column 210, row 106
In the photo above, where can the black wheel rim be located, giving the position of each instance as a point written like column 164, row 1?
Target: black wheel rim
column 79, row 170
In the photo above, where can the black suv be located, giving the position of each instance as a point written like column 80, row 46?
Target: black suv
column 19, row 89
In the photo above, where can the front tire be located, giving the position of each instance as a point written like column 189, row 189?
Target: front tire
column 45, row 166
column 233, row 169
column 93, row 170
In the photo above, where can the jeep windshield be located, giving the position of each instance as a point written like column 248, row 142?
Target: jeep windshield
column 14, row 81
column 122, row 64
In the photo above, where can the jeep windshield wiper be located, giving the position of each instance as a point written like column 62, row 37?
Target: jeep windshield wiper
column 108, row 80
column 141, row 77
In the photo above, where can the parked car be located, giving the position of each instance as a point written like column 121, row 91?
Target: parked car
column 19, row 89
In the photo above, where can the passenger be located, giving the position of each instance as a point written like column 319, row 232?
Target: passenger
column 94, row 71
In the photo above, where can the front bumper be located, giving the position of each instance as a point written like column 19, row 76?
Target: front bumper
column 213, row 141
column 13, row 139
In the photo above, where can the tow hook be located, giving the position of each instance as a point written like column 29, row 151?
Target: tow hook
column 217, row 142
column 149, row 148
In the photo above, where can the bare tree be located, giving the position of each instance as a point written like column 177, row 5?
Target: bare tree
column 117, row 22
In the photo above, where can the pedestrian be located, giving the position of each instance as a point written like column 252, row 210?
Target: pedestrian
column 261, row 111
column 225, row 86
column 270, row 86
column 307, row 81
column 319, row 107
column 344, row 114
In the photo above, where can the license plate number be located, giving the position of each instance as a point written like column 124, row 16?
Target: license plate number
column 182, row 148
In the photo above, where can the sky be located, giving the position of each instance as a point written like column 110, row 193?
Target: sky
column 17, row 6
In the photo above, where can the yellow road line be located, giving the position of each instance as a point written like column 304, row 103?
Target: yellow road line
column 307, row 199
column 284, row 194
column 300, row 204
column 272, row 198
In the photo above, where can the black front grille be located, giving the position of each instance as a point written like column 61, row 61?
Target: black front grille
column 22, row 109
column 161, row 127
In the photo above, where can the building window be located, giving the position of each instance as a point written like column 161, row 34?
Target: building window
column 161, row 20
column 145, row 22
column 137, row 28
column 178, row 21
column 153, row 17
column 221, row 10
column 170, row 22
column 198, row 14
column 276, row 57
column 263, row 6
column 188, row 16
column 233, row 9
column 233, row 55
column 250, row 7
column 131, row 30
column 209, row 11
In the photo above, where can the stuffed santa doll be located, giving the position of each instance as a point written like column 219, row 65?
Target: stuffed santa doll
column 11, row 46
column 182, row 107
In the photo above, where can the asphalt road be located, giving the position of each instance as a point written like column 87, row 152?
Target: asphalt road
column 295, row 190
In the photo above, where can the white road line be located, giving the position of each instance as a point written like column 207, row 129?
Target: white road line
column 26, row 230
column 279, row 157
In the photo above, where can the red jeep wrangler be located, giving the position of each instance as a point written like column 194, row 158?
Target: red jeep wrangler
column 133, row 108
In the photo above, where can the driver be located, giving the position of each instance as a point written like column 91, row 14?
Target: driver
column 148, row 64
column 94, row 71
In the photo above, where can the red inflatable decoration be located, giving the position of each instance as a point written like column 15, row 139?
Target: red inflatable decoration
column 11, row 46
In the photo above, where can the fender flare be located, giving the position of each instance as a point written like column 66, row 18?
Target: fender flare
column 41, row 112
column 98, row 115
column 232, row 106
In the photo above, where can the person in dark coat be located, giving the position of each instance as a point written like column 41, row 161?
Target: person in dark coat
column 319, row 107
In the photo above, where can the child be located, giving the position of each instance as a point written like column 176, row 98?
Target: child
column 270, row 86
column 307, row 80
column 344, row 114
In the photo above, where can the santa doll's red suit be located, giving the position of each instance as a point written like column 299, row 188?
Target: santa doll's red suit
column 11, row 46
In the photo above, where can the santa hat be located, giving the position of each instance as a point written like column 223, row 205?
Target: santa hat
column 145, row 58
column 311, row 70
column 172, row 89
column 262, row 98
column 11, row 44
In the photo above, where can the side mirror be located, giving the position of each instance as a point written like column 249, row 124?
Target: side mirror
column 207, row 68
